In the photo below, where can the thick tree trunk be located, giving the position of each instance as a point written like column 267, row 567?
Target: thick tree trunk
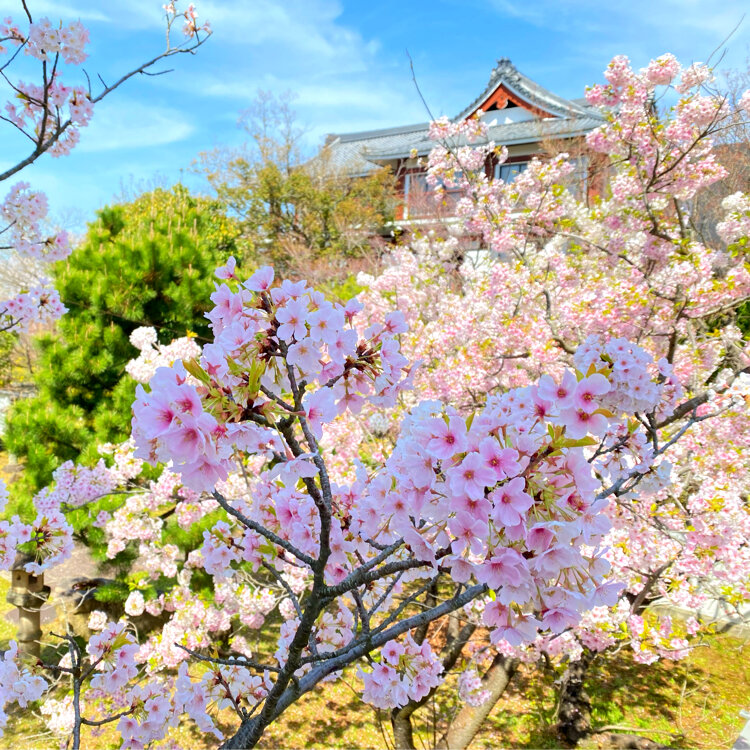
column 403, row 736
column 469, row 719
column 574, row 704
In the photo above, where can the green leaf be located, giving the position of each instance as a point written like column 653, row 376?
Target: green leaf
column 580, row 443
column 192, row 366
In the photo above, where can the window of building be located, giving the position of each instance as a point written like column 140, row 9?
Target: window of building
column 415, row 183
column 508, row 172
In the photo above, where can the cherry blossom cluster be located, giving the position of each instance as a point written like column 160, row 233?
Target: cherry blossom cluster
column 636, row 383
column 652, row 641
column 506, row 207
column 334, row 631
column 9, row 33
column 49, row 113
column 154, row 355
column 736, row 224
column 610, row 268
column 150, row 715
column 45, row 40
column 12, row 533
column 49, row 539
column 52, row 111
column 624, row 452
column 144, row 711
column 40, row 305
column 537, row 213
column 281, row 336
column 124, row 465
column 231, row 687
column 97, row 620
column 251, row 603
column 289, row 513
column 470, row 688
column 138, row 518
column 17, row 683
column 75, row 485
column 693, row 525
column 651, row 637
column 699, row 567
column 24, row 210
column 510, row 497
column 472, row 129
column 59, row 715
column 407, row 671
column 685, row 162
column 61, row 100
column 191, row 26
column 23, row 213
column 113, row 651
column 193, row 624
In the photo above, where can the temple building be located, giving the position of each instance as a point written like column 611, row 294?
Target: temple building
column 522, row 115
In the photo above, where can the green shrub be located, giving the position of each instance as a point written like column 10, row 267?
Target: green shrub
column 145, row 263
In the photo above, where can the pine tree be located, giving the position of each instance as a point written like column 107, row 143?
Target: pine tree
column 145, row 263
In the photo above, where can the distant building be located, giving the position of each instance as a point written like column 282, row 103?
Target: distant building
column 525, row 114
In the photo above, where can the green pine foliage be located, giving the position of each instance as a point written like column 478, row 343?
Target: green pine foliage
column 743, row 319
column 145, row 263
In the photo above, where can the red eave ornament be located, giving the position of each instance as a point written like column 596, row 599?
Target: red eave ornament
column 499, row 99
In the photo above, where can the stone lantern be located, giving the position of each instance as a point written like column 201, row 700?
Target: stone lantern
column 27, row 593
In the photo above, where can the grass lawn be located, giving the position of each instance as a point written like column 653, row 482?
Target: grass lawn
column 690, row 704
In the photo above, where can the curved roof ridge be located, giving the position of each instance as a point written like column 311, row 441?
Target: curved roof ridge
column 506, row 73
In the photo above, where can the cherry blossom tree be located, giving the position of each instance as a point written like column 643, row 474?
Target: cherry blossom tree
column 484, row 503
column 623, row 260
column 532, row 451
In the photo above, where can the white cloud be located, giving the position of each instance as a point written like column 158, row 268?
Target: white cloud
column 122, row 124
column 297, row 39
column 126, row 14
column 301, row 29
column 341, row 79
column 698, row 23
column 40, row 8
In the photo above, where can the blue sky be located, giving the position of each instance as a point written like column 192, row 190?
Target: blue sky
column 347, row 62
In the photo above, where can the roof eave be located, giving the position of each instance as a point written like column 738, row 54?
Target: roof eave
column 424, row 150
column 364, row 135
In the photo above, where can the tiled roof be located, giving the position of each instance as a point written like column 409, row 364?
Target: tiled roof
column 506, row 134
column 507, row 74
column 360, row 153
column 351, row 151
